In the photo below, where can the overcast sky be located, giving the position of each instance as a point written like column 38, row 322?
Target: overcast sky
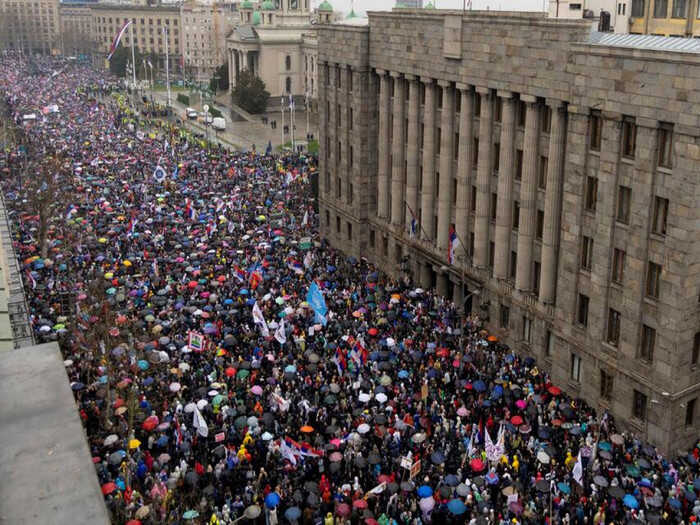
column 378, row 5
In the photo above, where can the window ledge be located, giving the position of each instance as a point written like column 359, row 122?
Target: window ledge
column 626, row 160
column 636, row 423
column 664, row 169
column 651, row 301
column 609, row 347
column 622, row 225
column 594, row 152
column 661, row 237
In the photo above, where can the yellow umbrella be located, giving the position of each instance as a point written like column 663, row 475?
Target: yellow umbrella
column 102, row 240
column 109, row 275
column 134, row 443
column 127, row 263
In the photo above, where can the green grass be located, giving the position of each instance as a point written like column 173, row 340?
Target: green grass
column 312, row 147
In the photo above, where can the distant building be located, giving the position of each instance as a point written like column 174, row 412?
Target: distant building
column 414, row 4
column 76, row 28
column 32, row 27
column 677, row 18
column 613, row 15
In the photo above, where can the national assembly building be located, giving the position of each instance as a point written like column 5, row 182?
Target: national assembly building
column 542, row 174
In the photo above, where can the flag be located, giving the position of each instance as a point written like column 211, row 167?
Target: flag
column 149, row 63
column 578, row 470
column 238, row 273
column 452, row 245
column 305, row 220
column 255, row 279
column 413, row 224
column 177, row 170
column 287, row 452
column 318, row 304
column 132, row 226
column 472, row 442
column 72, row 210
column 117, row 39
column 493, row 450
column 199, row 423
column 159, row 173
column 31, row 279
column 259, row 319
column 280, row 334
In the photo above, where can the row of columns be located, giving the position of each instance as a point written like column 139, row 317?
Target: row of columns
column 239, row 60
column 394, row 154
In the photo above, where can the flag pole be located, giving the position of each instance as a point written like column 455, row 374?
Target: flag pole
column 167, row 65
column 133, row 63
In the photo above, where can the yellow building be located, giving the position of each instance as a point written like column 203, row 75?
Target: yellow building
column 30, row 25
column 76, row 28
column 678, row 18
column 150, row 26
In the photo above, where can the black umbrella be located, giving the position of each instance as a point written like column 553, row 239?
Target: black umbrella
column 616, row 492
column 331, row 429
column 542, row 485
column 374, row 458
column 392, row 487
column 408, row 486
column 600, row 481
column 360, row 462
column 191, row 478
column 311, row 486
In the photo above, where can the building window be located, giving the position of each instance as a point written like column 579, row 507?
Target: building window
column 547, row 120
column 595, row 130
column 639, row 405
column 516, row 215
column 338, row 187
column 505, row 316
column 587, row 253
column 696, row 350
column 606, row 385
column 351, row 156
column 613, row 327
column 477, row 104
column 653, row 279
column 665, row 145
column 288, row 84
column 288, row 62
column 371, row 238
column 582, row 313
column 540, row 225
column 472, row 207
column 518, row 164
column 522, row 112
column 339, row 78
column 471, row 244
column 351, row 119
column 591, row 193
column 527, row 329
column 349, row 79
column 548, row 343
column 475, row 156
column 575, row 368
column 492, row 253
column 513, row 263
column 629, row 137
column 536, row 271
column 337, row 225
column 385, row 246
column 660, row 8
column 542, row 179
column 646, row 349
column 349, row 225
column 494, row 205
column 660, row 215
column 690, row 412
column 637, row 9
column 679, row 9
column 498, row 110
column 496, row 157
column 351, row 193
column 623, row 204
column 618, row 267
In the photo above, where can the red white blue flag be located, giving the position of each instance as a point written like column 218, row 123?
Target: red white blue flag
column 117, row 39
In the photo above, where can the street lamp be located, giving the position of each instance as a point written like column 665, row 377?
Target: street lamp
column 206, row 121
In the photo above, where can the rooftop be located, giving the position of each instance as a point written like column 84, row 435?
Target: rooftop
column 45, row 464
column 650, row 42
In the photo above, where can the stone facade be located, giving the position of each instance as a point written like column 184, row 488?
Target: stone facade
column 568, row 172
column 32, row 27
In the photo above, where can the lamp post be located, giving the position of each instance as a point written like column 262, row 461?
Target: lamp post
column 206, row 121
column 282, row 109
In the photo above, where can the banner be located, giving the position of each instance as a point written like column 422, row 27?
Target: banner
column 317, row 303
column 196, row 342
column 260, row 320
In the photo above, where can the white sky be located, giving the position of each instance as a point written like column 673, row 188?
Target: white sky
column 379, row 5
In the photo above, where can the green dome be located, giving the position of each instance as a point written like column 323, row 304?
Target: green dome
column 256, row 18
column 429, row 5
column 325, row 6
column 351, row 15
column 247, row 4
column 268, row 5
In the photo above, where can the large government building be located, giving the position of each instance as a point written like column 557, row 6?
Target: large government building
column 567, row 164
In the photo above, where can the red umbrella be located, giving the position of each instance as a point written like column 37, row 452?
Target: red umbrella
column 343, row 509
column 359, row 504
column 516, row 420
column 442, row 352
column 108, row 488
column 383, row 478
column 371, row 521
column 150, row 423
column 221, row 278
column 477, row 465
column 230, row 372
column 554, row 390
column 193, row 284
column 372, row 331
column 133, row 522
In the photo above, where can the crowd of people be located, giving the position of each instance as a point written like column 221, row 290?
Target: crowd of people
column 228, row 364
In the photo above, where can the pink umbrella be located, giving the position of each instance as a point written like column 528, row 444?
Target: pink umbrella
column 257, row 390
column 521, row 404
column 461, row 411
column 335, row 442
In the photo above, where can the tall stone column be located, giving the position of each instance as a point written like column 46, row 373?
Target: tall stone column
column 323, row 133
column 504, row 212
column 447, row 135
column 483, row 180
column 412, row 150
column 528, row 195
column 552, row 203
column 383, row 180
column 464, row 162
column 398, row 152
column 428, row 190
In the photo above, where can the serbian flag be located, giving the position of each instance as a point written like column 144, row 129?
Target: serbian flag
column 452, row 245
column 115, row 42
column 239, row 273
column 255, row 279
column 132, row 226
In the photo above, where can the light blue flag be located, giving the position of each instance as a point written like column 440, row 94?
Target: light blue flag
column 317, row 303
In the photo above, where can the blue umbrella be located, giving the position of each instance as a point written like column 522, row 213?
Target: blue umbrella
column 272, row 500
column 696, row 484
column 479, row 386
column 451, row 480
column 563, row 487
column 675, row 503
column 630, row 501
column 424, row 491
column 243, row 292
column 497, row 392
column 148, row 381
column 403, row 374
column 690, row 496
column 604, row 445
column 456, row 507
column 290, row 369
column 491, row 478
column 143, row 365
column 292, row 513
column 162, row 441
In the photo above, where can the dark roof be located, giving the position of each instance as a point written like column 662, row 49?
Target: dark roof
column 246, row 32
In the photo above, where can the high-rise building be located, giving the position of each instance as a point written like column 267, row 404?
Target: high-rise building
column 76, row 28
column 543, row 176
column 31, row 26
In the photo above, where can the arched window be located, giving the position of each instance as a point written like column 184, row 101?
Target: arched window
column 289, row 84
column 288, row 62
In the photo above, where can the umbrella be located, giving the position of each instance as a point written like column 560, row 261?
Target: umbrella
column 543, row 457
column 335, row 457
column 437, row 458
column 307, row 429
column 111, row 440
column 252, row 512
column 600, row 481
column 190, row 514
column 426, row 504
column 476, row 465
column 108, row 488
column 272, row 500
column 407, row 486
column 257, row 390
column 363, row 428
column 424, row 491
column 630, row 501
column 542, row 485
column 343, row 509
column 451, row 480
column 491, row 478
column 564, row 487
column 479, row 386
column 456, row 507
column 616, row 492
column 292, row 513
column 359, row 504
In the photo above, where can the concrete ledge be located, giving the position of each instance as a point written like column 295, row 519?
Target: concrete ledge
column 46, row 468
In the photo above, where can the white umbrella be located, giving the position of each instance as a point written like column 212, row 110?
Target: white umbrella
column 364, row 398
column 390, row 342
column 213, row 393
column 543, row 457
column 202, row 403
column 266, row 436
column 111, row 440
column 175, row 387
column 363, row 428
column 381, row 397
column 189, row 407
column 184, row 367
